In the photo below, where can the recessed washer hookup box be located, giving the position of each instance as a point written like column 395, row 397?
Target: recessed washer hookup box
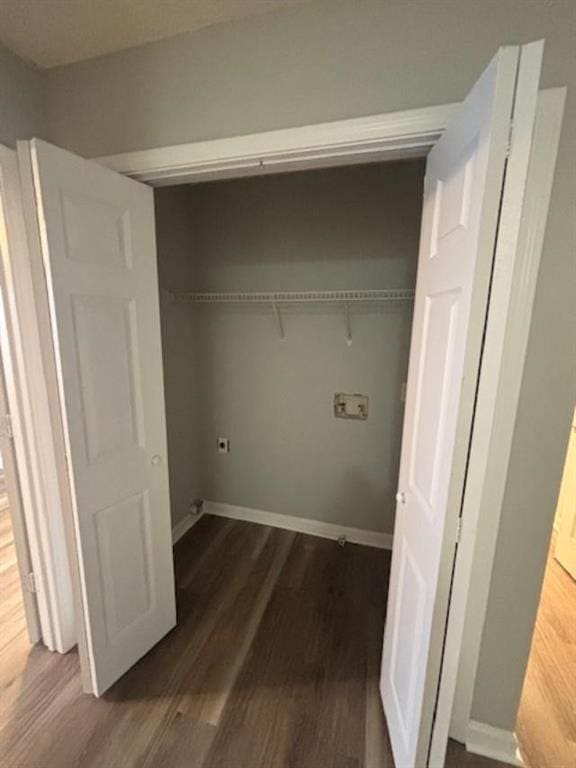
column 350, row 406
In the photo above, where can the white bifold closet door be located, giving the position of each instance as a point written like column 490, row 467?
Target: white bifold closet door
column 465, row 174
column 99, row 250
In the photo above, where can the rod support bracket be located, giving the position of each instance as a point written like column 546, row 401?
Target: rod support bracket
column 278, row 317
column 348, row 325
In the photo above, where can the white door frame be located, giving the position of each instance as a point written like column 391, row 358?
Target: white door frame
column 394, row 136
column 40, row 460
column 9, row 415
column 513, row 291
column 386, row 136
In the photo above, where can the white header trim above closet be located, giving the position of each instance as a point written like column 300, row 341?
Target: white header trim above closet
column 395, row 135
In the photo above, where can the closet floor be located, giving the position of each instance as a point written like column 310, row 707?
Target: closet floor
column 274, row 664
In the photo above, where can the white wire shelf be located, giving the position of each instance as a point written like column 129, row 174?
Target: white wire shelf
column 277, row 299
column 295, row 297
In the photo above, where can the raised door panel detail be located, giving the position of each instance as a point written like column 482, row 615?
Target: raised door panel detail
column 106, row 342
column 96, row 231
column 407, row 639
column 431, row 399
column 127, row 585
column 452, row 199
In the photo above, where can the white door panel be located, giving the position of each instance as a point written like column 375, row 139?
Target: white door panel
column 98, row 242
column 462, row 191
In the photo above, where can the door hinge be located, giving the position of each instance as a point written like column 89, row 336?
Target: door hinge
column 509, row 142
column 459, row 531
column 6, row 426
column 29, row 582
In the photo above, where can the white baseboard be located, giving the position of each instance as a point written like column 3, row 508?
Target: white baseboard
column 300, row 524
column 184, row 526
column 488, row 741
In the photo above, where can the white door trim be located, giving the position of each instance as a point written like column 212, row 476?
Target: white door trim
column 487, row 426
column 387, row 136
column 501, row 378
column 10, row 433
column 36, row 451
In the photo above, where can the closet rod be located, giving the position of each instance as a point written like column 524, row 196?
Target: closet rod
column 295, row 297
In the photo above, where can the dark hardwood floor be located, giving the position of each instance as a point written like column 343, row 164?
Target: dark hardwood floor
column 546, row 726
column 274, row 664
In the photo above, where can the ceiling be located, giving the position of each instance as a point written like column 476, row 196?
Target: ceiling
column 52, row 32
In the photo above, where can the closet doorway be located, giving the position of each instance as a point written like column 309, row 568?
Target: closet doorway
column 95, row 231
column 279, row 294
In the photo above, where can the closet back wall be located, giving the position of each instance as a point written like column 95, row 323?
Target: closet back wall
column 227, row 372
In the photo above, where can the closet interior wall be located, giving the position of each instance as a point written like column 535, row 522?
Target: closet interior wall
column 228, row 373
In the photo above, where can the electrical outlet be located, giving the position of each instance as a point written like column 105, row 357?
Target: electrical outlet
column 196, row 506
column 223, row 445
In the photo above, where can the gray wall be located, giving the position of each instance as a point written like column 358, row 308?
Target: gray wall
column 228, row 373
column 22, row 107
column 343, row 58
column 175, row 233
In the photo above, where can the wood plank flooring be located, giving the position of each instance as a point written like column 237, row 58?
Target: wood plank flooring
column 274, row 664
column 12, row 617
column 546, row 726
